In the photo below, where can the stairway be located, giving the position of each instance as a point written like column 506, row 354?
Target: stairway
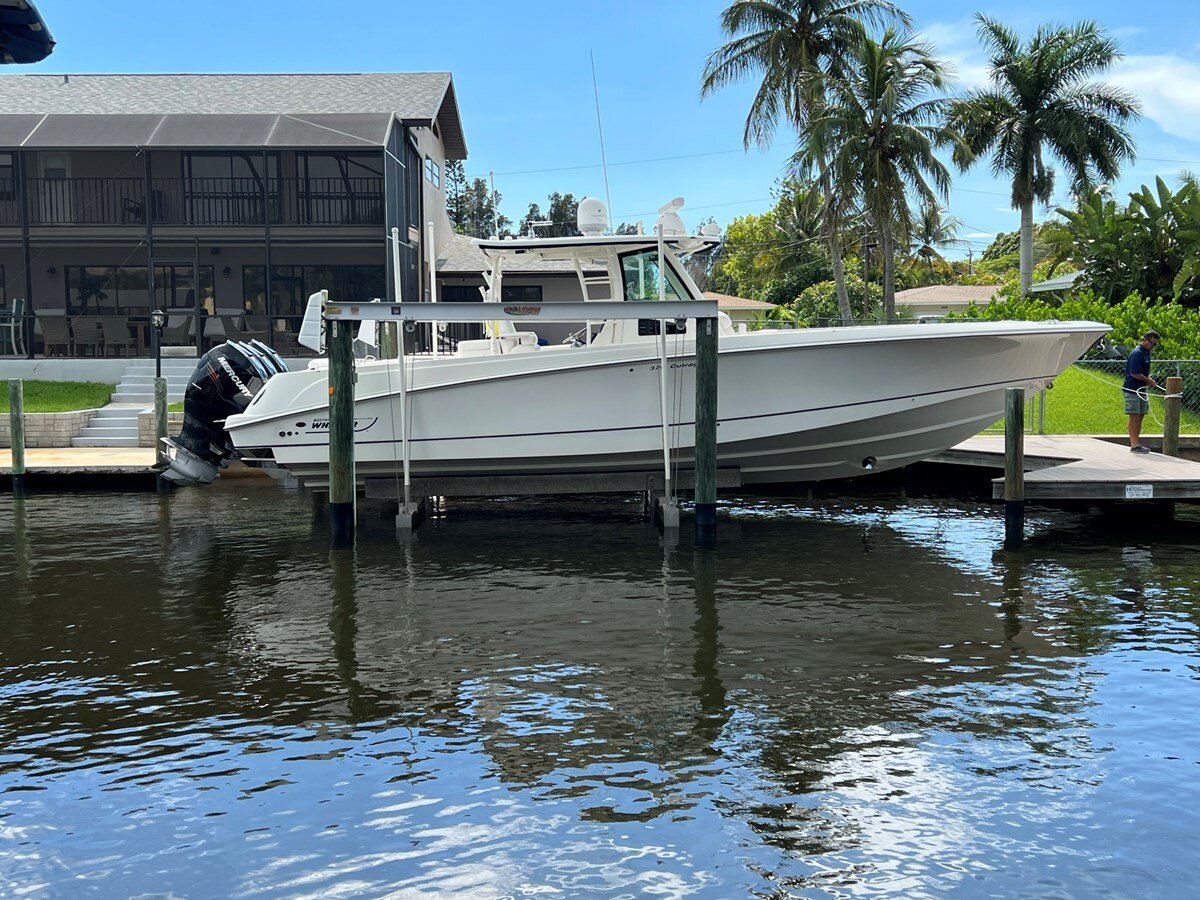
column 115, row 425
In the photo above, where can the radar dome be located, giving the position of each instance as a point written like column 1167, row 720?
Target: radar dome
column 669, row 222
column 592, row 217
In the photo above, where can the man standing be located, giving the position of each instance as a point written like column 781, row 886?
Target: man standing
column 1136, row 386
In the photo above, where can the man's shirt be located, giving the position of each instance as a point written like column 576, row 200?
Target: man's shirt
column 1138, row 363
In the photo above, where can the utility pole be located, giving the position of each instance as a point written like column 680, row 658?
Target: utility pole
column 970, row 260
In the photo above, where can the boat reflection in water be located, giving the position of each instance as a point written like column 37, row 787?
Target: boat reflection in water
column 526, row 698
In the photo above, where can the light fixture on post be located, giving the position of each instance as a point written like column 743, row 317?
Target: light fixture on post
column 226, row 272
column 51, row 271
column 158, row 320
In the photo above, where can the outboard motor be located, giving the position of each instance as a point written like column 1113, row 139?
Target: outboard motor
column 226, row 379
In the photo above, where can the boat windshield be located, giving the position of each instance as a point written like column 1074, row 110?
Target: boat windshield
column 639, row 272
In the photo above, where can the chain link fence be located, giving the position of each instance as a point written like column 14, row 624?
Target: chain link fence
column 1088, row 398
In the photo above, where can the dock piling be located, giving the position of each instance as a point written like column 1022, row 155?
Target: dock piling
column 706, row 433
column 160, row 419
column 341, row 432
column 1171, row 409
column 16, row 414
column 1014, row 468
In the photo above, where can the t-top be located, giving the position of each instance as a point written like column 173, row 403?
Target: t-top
column 1138, row 363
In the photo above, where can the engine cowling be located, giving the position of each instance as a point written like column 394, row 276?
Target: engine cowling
column 227, row 378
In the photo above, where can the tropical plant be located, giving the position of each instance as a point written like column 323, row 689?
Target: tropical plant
column 931, row 233
column 1043, row 104
column 790, row 45
column 818, row 304
column 879, row 127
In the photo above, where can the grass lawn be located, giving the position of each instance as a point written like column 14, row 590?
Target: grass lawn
column 60, row 396
column 1085, row 402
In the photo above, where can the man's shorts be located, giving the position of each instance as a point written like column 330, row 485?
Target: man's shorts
column 1136, row 404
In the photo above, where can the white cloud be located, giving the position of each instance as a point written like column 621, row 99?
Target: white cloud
column 1004, row 209
column 986, row 235
column 957, row 44
column 1169, row 88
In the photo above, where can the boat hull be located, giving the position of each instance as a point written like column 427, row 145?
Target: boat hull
column 792, row 406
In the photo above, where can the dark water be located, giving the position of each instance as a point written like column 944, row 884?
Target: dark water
column 199, row 699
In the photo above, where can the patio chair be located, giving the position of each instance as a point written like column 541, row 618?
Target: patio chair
column 86, row 335
column 12, row 327
column 118, row 339
column 177, row 331
column 253, row 327
column 56, row 335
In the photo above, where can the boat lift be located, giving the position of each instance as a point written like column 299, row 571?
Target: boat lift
column 339, row 341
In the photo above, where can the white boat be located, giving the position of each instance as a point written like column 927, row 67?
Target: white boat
column 794, row 405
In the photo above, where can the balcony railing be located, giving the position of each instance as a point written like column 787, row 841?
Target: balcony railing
column 198, row 201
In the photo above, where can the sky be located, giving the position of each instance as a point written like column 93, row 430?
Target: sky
column 523, row 74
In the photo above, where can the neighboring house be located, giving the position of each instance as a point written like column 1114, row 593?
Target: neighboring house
column 739, row 309
column 222, row 199
column 940, row 299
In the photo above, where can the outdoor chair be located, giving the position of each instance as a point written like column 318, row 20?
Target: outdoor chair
column 86, row 336
column 56, row 335
column 177, row 331
column 11, row 327
column 118, row 340
column 253, row 328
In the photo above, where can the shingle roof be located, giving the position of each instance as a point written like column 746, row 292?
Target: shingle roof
column 416, row 97
column 948, row 293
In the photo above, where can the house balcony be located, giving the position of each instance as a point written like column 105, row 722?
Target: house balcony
column 217, row 202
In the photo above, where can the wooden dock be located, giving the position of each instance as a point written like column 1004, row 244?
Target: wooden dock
column 1067, row 467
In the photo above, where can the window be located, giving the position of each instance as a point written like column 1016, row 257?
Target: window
column 291, row 286
column 433, row 174
column 125, row 290
column 227, row 188
column 341, row 188
column 515, row 293
column 639, row 271
column 8, row 181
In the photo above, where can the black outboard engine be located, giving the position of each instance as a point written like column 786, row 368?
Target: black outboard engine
column 226, row 379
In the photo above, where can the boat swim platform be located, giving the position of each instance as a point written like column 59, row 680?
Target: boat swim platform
column 1073, row 467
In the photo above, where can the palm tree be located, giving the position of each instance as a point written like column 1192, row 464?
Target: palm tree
column 790, row 44
column 879, row 128
column 1042, row 103
column 931, row 232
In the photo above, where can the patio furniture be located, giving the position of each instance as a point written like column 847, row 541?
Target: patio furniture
column 56, row 335
column 177, row 331
column 86, row 335
column 253, row 328
column 11, row 327
column 118, row 339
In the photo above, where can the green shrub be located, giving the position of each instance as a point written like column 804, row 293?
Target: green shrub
column 820, row 301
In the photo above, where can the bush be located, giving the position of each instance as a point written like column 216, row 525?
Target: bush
column 1178, row 325
column 820, row 301
column 787, row 287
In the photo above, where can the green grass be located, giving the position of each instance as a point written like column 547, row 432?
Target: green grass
column 175, row 407
column 60, row 396
column 1083, row 402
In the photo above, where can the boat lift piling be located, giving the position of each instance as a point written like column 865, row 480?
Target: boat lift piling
column 16, row 418
column 1014, row 468
column 341, row 386
column 1171, row 408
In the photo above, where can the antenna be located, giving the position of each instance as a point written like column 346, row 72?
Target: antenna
column 600, row 128
column 495, row 213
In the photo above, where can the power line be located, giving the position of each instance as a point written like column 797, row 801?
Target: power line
column 634, row 162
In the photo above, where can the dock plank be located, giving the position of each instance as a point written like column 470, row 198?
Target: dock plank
column 1066, row 467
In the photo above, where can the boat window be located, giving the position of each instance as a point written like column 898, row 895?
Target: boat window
column 640, row 274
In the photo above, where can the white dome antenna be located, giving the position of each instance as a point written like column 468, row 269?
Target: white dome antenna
column 592, row 217
column 668, row 218
column 710, row 230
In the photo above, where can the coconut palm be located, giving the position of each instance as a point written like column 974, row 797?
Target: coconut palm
column 1042, row 104
column 790, row 44
column 879, row 128
column 931, row 232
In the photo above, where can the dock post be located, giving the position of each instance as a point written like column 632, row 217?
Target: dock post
column 1171, row 408
column 341, row 432
column 706, row 433
column 16, row 418
column 1014, row 468
column 160, row 418
column 387, row 340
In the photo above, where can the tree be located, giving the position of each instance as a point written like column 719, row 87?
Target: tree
column 879, row 128
column 790, row 45
column 1042, row 104
column 454, row 177
column 932, row 231
column 476, row 211
column 562, row 214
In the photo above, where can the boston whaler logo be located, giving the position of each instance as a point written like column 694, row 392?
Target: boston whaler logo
column 523, row 310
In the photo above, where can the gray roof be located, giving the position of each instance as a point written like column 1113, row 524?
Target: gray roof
column 1063, row 282
column 262, row 110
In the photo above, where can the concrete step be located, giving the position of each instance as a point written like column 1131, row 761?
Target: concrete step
column 104, row 442
column 105, row 431
column 172, row 377
column 145, row 397
column 113, row 422
column 118, row 412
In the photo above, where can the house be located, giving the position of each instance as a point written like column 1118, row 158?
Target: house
column 940, row 299
column 224, row 200
column 1059, row 284
column 739, row 309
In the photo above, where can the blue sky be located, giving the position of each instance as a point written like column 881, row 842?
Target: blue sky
column 524, row 83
